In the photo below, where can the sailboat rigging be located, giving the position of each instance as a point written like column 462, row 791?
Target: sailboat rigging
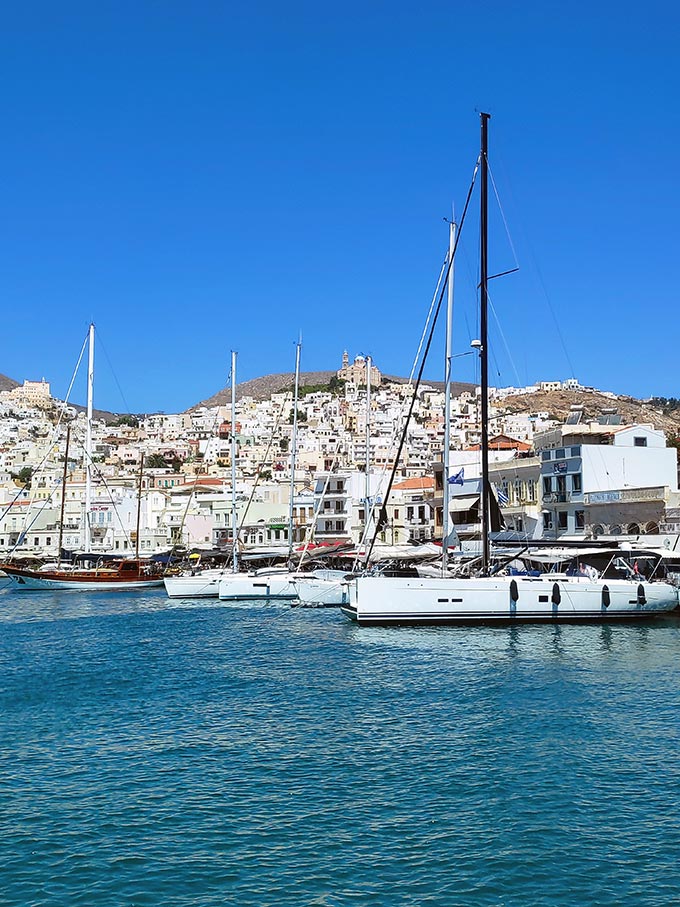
column 447, row 405
column 293, row 451
column 234, row 509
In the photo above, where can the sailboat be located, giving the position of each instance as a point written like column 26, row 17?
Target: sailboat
column 270, row 584
column 196, row 583
column 106, row 573
column 205, row 583
column 318, row 587
column 105, row 576
column 494, row 598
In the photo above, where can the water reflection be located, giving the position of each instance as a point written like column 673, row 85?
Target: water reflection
column 23, row 607
column 606, row 637
column 655, row 641
column 514, row 635
column 556, row 642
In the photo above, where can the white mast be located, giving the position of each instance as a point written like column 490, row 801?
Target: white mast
column 88, row 441
column 368, row 442
column 447, row 405
column 234, row 521
column 293, row 451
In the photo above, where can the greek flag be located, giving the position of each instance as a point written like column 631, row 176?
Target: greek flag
column 458, row 478
column 502, row 497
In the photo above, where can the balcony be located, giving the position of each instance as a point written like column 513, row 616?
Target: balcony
column 330, row 534
column 626, row 495
column 563, row 497
column 669, row 528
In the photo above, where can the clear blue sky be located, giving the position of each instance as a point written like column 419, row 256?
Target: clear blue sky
column 201, row 177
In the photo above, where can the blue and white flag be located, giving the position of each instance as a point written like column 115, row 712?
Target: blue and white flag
column 502, row 497
column 458, row 478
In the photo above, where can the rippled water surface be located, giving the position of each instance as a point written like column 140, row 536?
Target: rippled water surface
column 158, row 753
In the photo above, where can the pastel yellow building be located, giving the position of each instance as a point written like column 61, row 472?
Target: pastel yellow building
column 32, row 393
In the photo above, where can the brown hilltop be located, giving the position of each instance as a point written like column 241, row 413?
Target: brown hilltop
column 457, row 387
column 558, row 405
column 7, row 384
column 262, row 388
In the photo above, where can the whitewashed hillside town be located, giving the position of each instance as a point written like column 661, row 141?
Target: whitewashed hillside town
column 164, row 481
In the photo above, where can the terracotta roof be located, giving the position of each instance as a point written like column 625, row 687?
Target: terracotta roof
column 504, row 442
column 418, row 482
column 204, row 481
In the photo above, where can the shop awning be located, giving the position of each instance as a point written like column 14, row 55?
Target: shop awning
column 463, row 502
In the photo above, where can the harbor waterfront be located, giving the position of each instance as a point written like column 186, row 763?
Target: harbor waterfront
column 159, row 751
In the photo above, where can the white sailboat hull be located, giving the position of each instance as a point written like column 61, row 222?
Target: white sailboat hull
column 201, row 585
column 207, row 583
column 411, row 600
column 322, row 592
column 257, row 588
column 327, row 587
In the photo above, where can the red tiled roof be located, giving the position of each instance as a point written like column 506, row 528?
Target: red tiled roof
column 416, row 483
column 206, row 481
column 504, row 442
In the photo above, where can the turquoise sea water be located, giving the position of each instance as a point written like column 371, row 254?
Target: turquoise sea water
column 169, row 753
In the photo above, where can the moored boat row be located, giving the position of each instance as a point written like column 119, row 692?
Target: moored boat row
column 496, row 590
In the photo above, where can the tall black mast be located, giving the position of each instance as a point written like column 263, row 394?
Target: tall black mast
column 483, row 329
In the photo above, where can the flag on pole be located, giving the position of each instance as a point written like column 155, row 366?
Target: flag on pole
column 502, row 497
column 458, row 478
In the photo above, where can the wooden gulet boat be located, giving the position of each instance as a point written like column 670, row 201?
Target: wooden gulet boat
column 114, row 575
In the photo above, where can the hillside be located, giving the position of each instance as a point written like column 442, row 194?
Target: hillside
column 558, row 403
column 262, row 388
column 7, row 384
column 457, row 387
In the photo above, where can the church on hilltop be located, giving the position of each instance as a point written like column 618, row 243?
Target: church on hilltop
column 356, row 372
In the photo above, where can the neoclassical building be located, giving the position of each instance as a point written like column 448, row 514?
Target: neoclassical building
column 31, row 393
column 356, row 372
